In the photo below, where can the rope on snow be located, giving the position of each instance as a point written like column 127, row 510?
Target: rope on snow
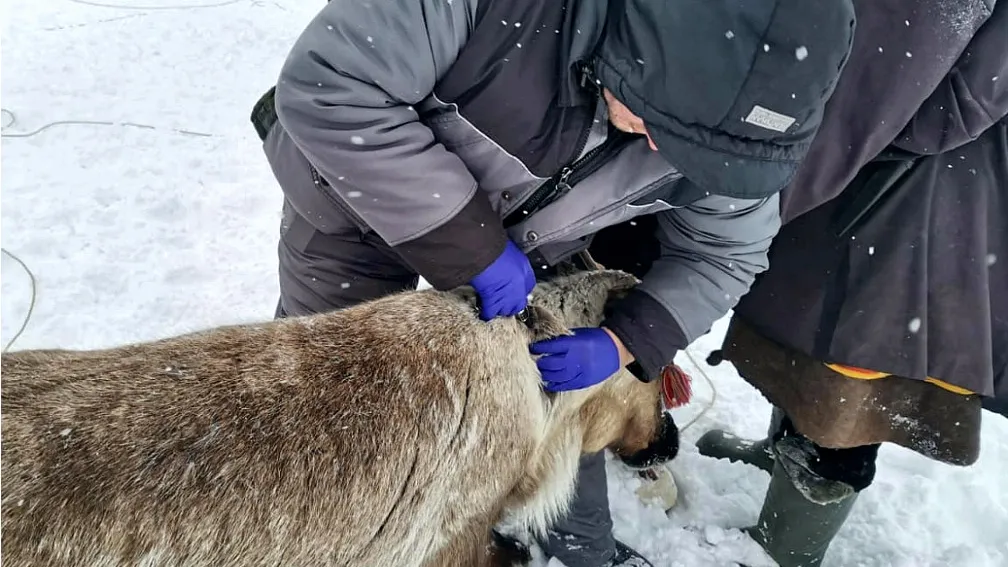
column 31, row 304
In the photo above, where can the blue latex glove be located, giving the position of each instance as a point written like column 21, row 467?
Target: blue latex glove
column 504, row 285
column 574, row 362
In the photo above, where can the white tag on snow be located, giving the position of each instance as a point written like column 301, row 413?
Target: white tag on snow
column 769, row 119
column 659, row 489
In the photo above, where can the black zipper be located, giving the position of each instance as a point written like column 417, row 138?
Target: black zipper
column 559, row 184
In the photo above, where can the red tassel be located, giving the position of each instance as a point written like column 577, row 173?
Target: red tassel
column 676, row 387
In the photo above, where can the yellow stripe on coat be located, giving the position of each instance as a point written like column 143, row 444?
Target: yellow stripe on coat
column 865, row 374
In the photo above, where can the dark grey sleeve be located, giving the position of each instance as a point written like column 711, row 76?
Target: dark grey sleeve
column 971, row 98
column 344, row 96
column 711, row 251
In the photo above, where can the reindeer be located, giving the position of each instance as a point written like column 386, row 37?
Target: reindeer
column 397, row 432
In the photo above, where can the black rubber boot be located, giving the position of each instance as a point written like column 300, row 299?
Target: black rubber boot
column 802, row 511
column 720, row 444
column 627, row 557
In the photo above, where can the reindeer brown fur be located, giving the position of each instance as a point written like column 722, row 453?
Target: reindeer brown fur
column 393, row 433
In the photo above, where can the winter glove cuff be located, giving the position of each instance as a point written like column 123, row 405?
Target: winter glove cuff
column 648, row 331
column 453, row 253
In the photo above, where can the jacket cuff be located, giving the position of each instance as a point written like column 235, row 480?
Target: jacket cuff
column 455, row 252
column 649, row 332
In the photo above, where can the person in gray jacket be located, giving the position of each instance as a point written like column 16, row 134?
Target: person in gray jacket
column 484, row 142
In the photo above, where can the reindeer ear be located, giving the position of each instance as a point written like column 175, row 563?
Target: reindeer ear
column 601, row 287
column 619, row 283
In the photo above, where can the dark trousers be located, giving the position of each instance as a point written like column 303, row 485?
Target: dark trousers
column 325, row 271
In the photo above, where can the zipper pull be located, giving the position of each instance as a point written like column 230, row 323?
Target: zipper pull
column 559, row 188
column 588, row 80
column 562, row 181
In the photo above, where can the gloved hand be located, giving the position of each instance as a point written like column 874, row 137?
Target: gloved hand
column 574, row 362
column 504, row 285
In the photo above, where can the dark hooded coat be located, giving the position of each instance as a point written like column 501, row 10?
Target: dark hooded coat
column 894, row 255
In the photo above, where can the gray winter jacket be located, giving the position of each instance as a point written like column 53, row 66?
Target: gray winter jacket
column 434, row 122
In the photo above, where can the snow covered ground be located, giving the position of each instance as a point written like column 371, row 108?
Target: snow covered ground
column 160, row 216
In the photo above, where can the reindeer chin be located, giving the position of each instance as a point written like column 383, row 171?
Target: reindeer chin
column 662, row 449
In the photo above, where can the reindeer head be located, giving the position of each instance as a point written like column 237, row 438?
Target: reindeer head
column 622, row 413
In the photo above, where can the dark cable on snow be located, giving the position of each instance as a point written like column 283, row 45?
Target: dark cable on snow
column 168, row 7
column 31, row 304
column 9, row 119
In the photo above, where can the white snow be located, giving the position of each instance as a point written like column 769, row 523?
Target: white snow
column 138, row 230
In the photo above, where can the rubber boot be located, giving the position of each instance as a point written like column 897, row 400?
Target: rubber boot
column 626, row 556
column 802, row 511
column 720, row 444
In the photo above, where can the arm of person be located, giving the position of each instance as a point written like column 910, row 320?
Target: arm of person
column 711, row 251
column 344, row 96
column 971, row 98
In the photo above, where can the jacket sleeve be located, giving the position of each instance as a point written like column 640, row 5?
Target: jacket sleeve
column 711, row 251
column 344, row 96
column 971, row 98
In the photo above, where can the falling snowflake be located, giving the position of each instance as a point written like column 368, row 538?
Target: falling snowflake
column 356, row 140
column 915, row 325
column 801, row 53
